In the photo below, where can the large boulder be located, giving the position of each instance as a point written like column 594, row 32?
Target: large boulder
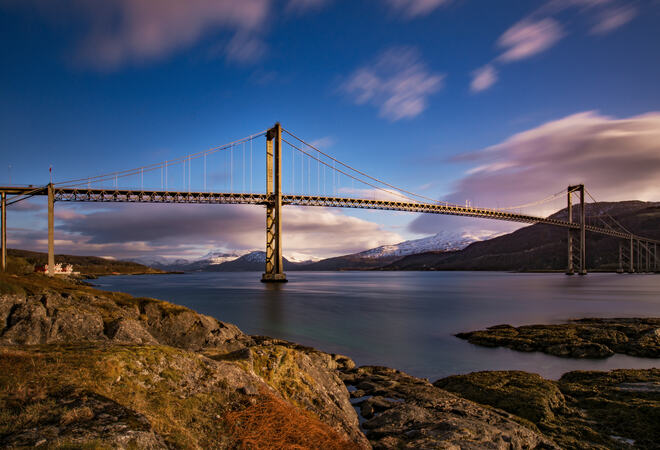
column 401, row 411
column 308, row 378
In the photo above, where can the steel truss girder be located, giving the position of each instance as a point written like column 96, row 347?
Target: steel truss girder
column 135, row 196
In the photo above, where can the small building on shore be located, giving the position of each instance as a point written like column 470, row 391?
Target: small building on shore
column 59, row 269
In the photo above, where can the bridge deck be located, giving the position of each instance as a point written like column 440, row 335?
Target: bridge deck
column 151, row 196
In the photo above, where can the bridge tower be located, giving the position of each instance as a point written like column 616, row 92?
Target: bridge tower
column 576, row 234
column 3, row 239
column 274, row 270
column 51, row 230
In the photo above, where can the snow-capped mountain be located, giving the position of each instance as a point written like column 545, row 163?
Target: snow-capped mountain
column 219, row 257
column 159, row 262
column 443, row 241
column 224, row 260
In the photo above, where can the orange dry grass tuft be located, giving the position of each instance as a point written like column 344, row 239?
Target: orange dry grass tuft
column 273, row 423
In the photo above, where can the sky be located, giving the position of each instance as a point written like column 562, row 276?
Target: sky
column 487, row 103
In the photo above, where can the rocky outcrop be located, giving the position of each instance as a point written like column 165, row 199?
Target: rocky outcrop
column 527, row 395
column 78, row 316
column 604, row 410
column 309, row 378
column 120, row 396
column 401, row 411
column 585, row 338
column 88, row 417
column 118, row 371
column 50, row 317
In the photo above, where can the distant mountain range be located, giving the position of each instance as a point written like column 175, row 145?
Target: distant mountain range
column 219, row 261
column 543, row 247
column 381, row 256
column 535, row 247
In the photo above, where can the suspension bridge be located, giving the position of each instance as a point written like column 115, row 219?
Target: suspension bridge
column 225, row 175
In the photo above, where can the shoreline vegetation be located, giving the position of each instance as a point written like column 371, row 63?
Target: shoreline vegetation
column 83, row 368
column 91, row 267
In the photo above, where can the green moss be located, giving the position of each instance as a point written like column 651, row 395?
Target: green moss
column 523, row 394
column 582, row 410
column 276, row 364
column 144, row 379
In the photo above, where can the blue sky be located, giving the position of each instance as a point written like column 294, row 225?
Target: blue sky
column 398, row 88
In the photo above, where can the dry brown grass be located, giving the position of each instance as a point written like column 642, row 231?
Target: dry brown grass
column 273, row 423
column 76, row 415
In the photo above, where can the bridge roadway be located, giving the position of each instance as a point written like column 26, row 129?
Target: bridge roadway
column 151, row 196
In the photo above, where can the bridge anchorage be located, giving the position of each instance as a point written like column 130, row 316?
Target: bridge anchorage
column 308, row 185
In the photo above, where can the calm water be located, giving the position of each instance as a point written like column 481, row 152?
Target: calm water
column 407, row 320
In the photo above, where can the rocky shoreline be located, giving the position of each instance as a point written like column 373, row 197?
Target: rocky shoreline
column 86, row 368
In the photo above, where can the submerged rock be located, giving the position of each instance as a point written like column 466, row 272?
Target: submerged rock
column 584, row 338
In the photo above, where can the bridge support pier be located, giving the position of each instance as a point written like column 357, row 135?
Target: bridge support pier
column 274, row 270
column 576, row 234
column 3, row 239
column 51, row 230
column 631, row 266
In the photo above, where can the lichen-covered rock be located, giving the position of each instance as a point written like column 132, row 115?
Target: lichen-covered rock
column 181, row 327
column 407, row 412
column 47, row 316
column 524, row 394
column 133, row 347
column 309, row 379
column 584, row 338
column 86, row 418
column 129, row 331
column 27, row 322
column 604, row 410
column 73, row 324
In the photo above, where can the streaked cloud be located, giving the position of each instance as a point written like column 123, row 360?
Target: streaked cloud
column 483, row 78
column 414, row 8
column 541, row 30
column 126, row 231
column 125, row 31
column 613, row 18
column 120, row 32
column 617, row 159
column 527, row 38
column 323, row 142
column 397, row 82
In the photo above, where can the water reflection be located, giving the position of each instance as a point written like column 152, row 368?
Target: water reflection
column 272, row 302
column 408, row 320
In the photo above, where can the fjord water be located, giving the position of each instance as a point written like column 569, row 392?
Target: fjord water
column 407, row 320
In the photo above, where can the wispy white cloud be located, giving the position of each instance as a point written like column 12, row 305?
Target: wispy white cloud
column 120, row 32
column 483, row 78
column 613, row 18
column 617, row 159
column 323, row 142
column 541, row 30
column 414, row 8
column 136, row 30
column 527, row 38
column 398, row 82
